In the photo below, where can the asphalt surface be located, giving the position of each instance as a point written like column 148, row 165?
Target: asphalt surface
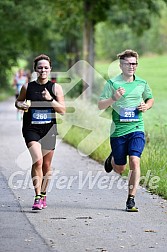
column 86, row 206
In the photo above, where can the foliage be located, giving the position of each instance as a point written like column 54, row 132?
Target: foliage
column 6, row 94
column 30, row 27
column 136, row 14
column 110, row 40
column 22, row 30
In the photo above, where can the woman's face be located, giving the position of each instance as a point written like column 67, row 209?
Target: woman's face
column 43, row 69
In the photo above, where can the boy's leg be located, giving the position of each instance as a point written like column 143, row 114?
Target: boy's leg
column 135, row 148
column 119, row 154
column 134, row 176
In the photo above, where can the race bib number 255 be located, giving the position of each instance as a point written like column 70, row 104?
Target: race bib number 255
column 129, row 115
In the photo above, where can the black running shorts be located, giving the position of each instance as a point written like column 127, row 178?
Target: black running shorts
column 45, row 134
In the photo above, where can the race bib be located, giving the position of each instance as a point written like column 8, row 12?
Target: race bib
column 129, row 115
column 41, row 116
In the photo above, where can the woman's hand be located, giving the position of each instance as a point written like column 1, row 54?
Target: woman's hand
column 23, row 105
column 46, row 95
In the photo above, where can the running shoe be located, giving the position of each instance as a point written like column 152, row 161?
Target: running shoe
column 37, row 204
column 107, row 165
column 130, row 205
column 44, row 205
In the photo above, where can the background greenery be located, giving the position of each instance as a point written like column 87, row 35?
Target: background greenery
column 58, row 29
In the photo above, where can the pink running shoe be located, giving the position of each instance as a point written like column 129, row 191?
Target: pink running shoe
column 44, row 205
column 38, row 204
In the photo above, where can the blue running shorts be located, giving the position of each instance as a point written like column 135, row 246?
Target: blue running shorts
column 131, row 144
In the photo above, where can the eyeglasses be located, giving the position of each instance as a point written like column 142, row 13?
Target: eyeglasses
column 128, row 64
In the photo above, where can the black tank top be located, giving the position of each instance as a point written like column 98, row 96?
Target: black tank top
column 34, row 94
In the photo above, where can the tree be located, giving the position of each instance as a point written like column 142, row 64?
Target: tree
column 64, row 28
column 94, row 11
column 22, row 30
column 136, row 14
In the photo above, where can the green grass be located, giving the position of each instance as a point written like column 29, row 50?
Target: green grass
column 4, row 94
column 76, row 128
column 152, row 68
column 153, row 163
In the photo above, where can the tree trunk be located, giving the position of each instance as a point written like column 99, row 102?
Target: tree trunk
column 72, row 51
column 88, row 53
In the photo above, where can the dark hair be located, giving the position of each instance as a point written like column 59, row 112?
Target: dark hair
column 127, row 54
column 41, row 57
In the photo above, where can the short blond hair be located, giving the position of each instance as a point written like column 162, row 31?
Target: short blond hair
column 127, row 54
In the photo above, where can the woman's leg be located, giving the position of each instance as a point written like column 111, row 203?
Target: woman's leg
column 46, row 169
column 37, row 159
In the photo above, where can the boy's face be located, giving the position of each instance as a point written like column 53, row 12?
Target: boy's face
column 128, row 66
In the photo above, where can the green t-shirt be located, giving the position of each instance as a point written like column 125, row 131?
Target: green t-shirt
column 125, row 116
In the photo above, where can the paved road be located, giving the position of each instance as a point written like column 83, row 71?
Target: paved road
column 85, row 205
